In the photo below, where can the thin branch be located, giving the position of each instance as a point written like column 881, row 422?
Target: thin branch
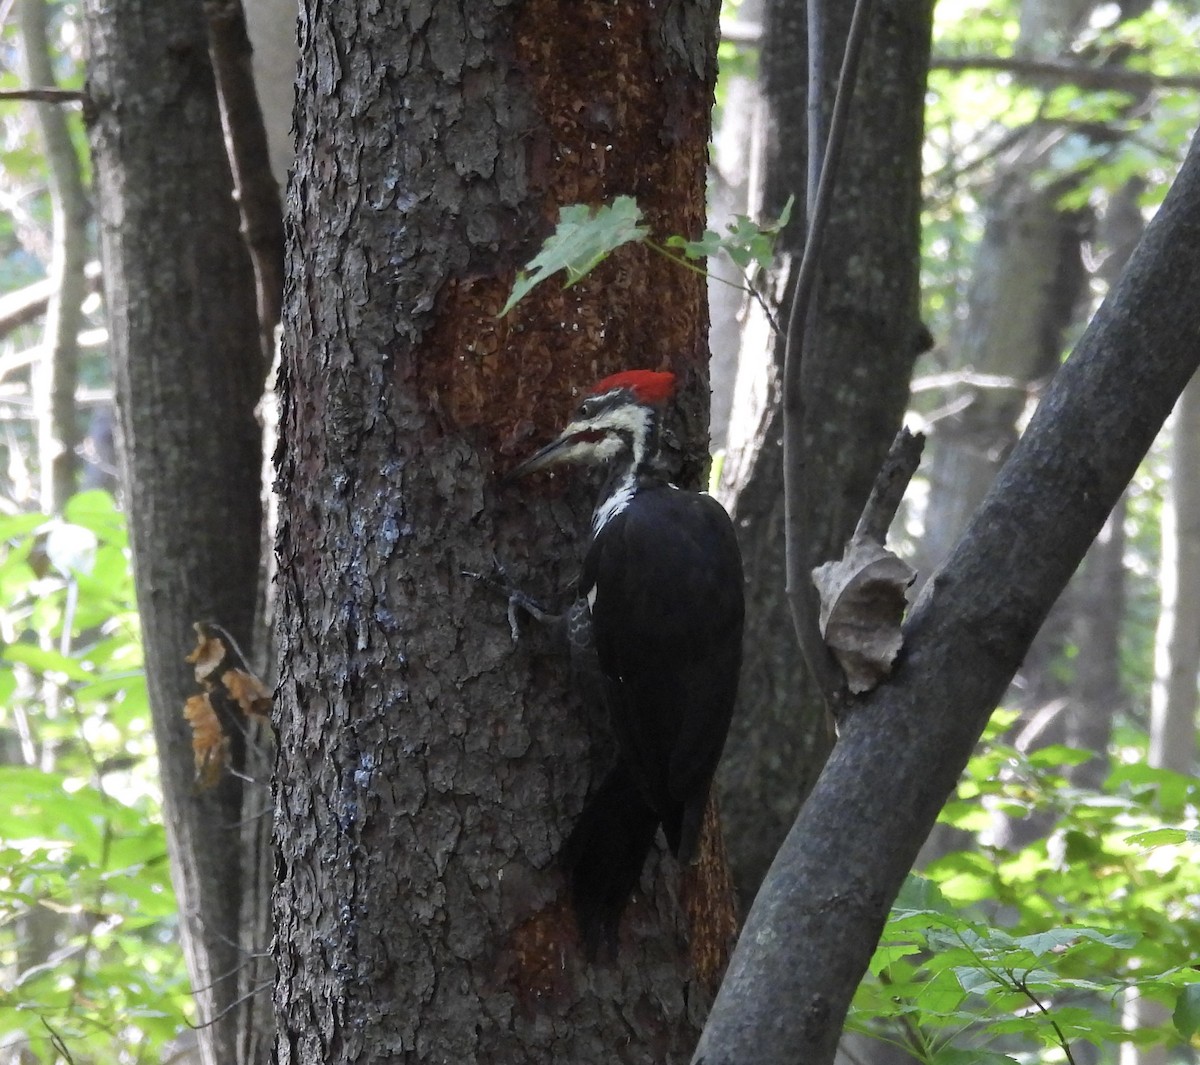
column 1068, row 72
column 45, row 96
column 891, row 482
column 25, row 305
column 241, row 1000
column 1023, row 986
column 1058, row 71
column 802, row 595
column 250, row 161
column 58, row 372
column 747, row 287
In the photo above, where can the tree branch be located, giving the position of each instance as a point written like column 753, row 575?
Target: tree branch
column 45, row 96
column 815, row 923
column 24, row 305
column 1068, row 72
column 890, row 485
column 257, row 193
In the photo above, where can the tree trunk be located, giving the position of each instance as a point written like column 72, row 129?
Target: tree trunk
column 188, row 373
column 867, row 334
column 817, row 919
column 428, row 770
column 1177, row 644
column 731, row 171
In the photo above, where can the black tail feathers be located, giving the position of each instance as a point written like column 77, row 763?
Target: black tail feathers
column 604, row 855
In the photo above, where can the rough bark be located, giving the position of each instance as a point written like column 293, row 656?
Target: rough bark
column 188, row 372
column 57, row 374
column 867, row 334
column 817, row 919
column 428, row 770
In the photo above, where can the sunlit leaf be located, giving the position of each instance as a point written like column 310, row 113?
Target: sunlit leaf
column 585, row 237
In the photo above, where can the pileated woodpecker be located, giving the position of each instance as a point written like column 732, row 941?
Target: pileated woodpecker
column 662, row 589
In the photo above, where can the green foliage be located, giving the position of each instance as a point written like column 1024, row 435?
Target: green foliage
column 746, row 242
column 1004, row 953
column 1083, row 142
column 586, row 236
column 88, row 933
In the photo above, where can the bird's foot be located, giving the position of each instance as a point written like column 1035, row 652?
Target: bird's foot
column 517, row 599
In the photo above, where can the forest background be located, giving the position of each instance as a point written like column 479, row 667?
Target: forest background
column 1057, row 912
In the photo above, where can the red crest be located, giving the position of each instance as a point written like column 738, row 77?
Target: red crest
column 648, row 386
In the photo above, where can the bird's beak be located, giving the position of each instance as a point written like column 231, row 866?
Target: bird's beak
column 547, row 456
column 574, row 441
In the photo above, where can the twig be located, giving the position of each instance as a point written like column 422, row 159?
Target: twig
column 257, row 989
column 250, row 161
column 1022, row 986
column 802, row 596
column 57, row 1041
column 1067, row 72
column 697, row 269
column 891, row 482
column 45, row 96
column 24, row 305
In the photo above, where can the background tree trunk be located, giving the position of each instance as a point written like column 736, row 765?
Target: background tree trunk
column 428, row 771
column 1177, row 644
column 188, row 373
column 867, row 334
column 57, row 374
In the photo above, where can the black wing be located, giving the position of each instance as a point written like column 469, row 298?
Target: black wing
column 665, row 577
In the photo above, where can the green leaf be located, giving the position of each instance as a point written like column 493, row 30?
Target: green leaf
column 45, row 660
column 745, row 242
column 1186, row 1016
column 584, row 237
column 13, row 526
column 920, row 895
column 1162, row 837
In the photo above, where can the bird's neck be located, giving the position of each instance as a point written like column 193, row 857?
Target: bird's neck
column 632, row 470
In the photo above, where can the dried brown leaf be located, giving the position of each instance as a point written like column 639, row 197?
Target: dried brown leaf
column 245, row 689
column 862, row 605
column 210, row 745
column 207, row 655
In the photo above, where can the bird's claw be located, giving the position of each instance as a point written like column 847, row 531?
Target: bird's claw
column 517, row 600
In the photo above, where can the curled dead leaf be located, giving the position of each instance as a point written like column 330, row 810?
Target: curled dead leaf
column 232, row 694
column 210, row 745
column 248, row 692
column 862, row 606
